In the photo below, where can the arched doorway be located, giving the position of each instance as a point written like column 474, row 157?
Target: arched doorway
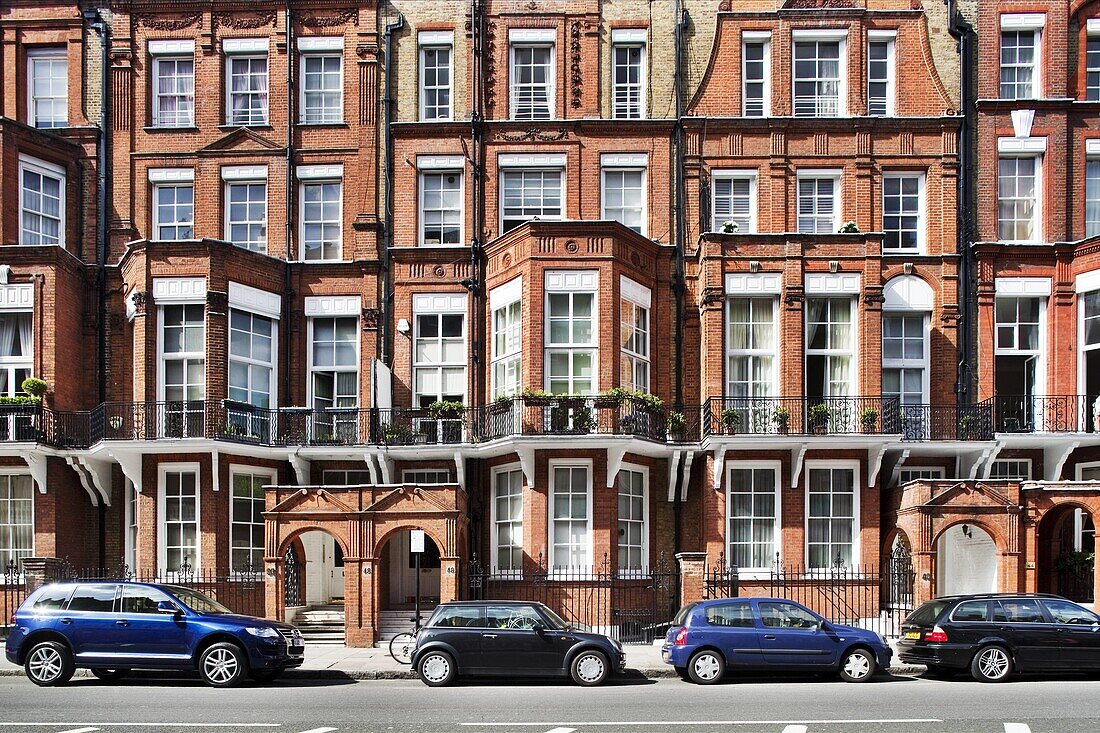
column 1067, row 553
column 313, row 587
column 966, row 561
column 398, row 582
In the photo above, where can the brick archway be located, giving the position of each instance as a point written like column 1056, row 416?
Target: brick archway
column 362, row 519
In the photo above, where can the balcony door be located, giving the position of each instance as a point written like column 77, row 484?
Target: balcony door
column 1017, row 369
column 1089, row 369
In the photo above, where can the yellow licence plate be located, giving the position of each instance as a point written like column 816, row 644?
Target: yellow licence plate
column 912, row 634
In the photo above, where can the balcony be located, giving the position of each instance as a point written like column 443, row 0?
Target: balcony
column 1042, row 414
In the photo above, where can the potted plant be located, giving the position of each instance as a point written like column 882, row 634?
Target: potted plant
column 819, row 418
column 675, row 426
column 394, row 434
column 850, row 227
column 536, row 397
column 583, row 420
column 35, row 387
column 782, row 419
column 730, row 227
column 446, row 410
column 969, row 427
column 732, row 420
column 868, row 419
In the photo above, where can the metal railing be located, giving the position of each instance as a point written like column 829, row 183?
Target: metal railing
column 1042, row 414
column 801, row 415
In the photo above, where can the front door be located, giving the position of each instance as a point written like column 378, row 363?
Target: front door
column 791, row 636
column 510, row 642
column 335, row 570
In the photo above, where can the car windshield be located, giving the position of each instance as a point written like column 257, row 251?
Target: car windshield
column 196, row 601
column 927, row 614
column 682, row 614
column 557, row 620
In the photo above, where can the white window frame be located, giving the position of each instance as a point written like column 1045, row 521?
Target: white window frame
column 1083, row 347
column 1092, row 90
column 437, row 42
column 924, row 363
column 938, row 470
column 837, row 176
column 185, row 356
column 857, row 490
column 889, row 38
column 230, row 58
column 1083, row 466
column 636, row 296
column 1015, row 349
column 335, row 370
column 16, row 471
column 181, row 121
column 585, row 282
column 1037, row 216
column 1092, row 162
column 922, row 211
column 50, row 54
column 273, row 397
column 643, row 569
column 551, row 79
column 46, row 170
column 132, row 514
column 733, row 175
column 1023, row 23
column 461, row 205
column 157, row 223
column 1016, row 462
column 442, row 366
column 643, row 206
column 777, row 527
column 303, row 183
column 494, row 564
column 752, row 353
column 624, row 111
column 163, row 470
column 829, row 352
column 761, row 38
column 823, row 36
column 240, row 469
column 552, row 568
column 505, row 170
column 510, row 359
column 326, row 113
column 229, row 222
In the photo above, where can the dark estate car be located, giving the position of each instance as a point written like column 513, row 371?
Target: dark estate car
column 994, row 635
column 510, row 638
column 111, row 628
column 757, row 634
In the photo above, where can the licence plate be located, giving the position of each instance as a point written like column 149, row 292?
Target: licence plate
column 912, row 634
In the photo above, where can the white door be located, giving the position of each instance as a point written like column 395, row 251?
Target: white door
column 336, row 569
column 402, row 575
column 966, row 561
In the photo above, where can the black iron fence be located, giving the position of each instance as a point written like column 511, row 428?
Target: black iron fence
column 632, row 606
column 869, row 597
column 12, row 593
column 1042, row 414
column 801, row 415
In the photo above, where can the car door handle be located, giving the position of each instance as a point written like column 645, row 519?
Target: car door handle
column 122, row 623
column 769, row 636
column 65, row 620
column 488, row 636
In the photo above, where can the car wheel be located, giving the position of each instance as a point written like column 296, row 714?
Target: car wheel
column 991, row 664
column 858, row 665
column 223, row 665
column 436, row 669
column 49, row 663
column 589, row 668
column 265, row 675
column 110, row 675
column 706, row 667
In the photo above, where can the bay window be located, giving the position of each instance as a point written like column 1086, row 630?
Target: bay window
column 571, row 332
column 634, row 336
column 251, row 369
column 41, row 202
column 179, row 518
column 507, row 520
column 830, row 347
column 183, row 353
column 570, row 516
column 752, row 512
column 832, row 516
column 633, row 545
column 507, row 343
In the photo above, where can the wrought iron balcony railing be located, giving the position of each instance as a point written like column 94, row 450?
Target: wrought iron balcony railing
column 1042, row 414
column 801, row 416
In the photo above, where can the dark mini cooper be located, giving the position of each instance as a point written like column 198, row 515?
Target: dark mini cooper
column 995, row 635
column 111, row 628
column 511, row 638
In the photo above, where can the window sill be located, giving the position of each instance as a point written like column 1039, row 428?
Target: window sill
column 341, row 123
column 260, row 126
column 155, row 129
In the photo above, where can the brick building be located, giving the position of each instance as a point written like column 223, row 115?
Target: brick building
column 608, row 298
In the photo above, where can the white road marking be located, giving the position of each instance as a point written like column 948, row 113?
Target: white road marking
column 1017, row 728
column 561, row 730
column 151, row 724
column 79, row 730
column 319, row 730
column 707, row 723
column 795, row 729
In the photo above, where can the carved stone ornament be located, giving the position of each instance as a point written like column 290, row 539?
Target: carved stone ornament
column 217, row 301
column 713, row 295
column 242, row 22
column 439, row 271
column 576, row 75
column 342, row 17
column 506, row 260
column 489, row 66
column 571, row 246
column 169, row 24
column 372, row 317
column 534, row 133
column 815, row 4
column 725, row 6
column 139, row 298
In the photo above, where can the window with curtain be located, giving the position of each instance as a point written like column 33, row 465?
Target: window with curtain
column 179, row 535
column 753, row 517
column 532, row 93
column 441, row 207
column 507, row 357
column 571, row 342
column 247, row 90
column 628, row 86
column 830, row 347
column 1019, row 57
column 16, row 519
column 1092, row 198
column 508, row 521
column 530, row 194
column 570, row 522
column 48, row 87
column 634, row 335
column 41, row 202
column 750, row 347
column 174, row 91
column 246, row 522
column 16, row 351
column 733, row 199
column 322, row 89
column 633, row 544
column 817, row 78
column 832, row 523
column 435, row 82
column 439, row 358
column 246, row 220
column 1018, row 189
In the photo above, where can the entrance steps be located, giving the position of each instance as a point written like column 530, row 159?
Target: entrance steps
column 322, row 623
column 392, row 623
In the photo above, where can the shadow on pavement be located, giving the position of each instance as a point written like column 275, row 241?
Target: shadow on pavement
column 182, row 679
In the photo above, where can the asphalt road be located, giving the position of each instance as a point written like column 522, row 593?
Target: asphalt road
column 804, row 705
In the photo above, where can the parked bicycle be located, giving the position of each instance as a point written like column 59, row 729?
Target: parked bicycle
column 402, row 645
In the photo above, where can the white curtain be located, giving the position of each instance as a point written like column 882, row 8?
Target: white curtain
column 25, row 335
column 7, row 335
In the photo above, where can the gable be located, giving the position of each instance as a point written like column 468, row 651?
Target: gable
column 242, row 140
column 311, row 501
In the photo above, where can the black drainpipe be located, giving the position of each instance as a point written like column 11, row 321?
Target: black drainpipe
column 288, row 233
column 101, row 29
column 963, row 32
column 386, row 303
column 678, row 284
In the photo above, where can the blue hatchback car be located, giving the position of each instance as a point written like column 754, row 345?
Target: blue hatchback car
column 710, row 637
column 111, row 628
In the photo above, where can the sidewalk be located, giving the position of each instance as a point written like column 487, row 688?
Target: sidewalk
column 376, row 664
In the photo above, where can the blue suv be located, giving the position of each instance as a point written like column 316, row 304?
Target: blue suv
column 709, row 637
column 111, row 628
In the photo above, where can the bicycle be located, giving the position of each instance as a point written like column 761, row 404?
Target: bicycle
column 402, row 645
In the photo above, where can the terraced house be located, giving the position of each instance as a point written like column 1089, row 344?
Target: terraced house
column 623, row 303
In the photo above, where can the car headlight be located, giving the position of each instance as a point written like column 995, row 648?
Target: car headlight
column 264, row 632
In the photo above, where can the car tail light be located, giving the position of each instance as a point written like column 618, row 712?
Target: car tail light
column 936, row 634
column 681, row 637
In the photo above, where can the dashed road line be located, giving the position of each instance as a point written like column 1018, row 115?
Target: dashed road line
column 1017, row 728
column 561, row 730
column 149, row 724
column 709, row 723
column 319, row 730
column 79, row 730
column 795, row 729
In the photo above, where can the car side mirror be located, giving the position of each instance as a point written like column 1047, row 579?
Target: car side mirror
column 169, row 608
column 538, row 628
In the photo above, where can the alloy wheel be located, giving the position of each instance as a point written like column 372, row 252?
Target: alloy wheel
column 45, row 664
column 993, row 663
column 220, row 666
